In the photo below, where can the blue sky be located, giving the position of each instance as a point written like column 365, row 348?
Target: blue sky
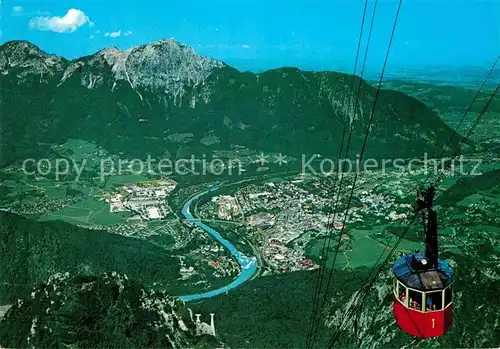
column 311, row 34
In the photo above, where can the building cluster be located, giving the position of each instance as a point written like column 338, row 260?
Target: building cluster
column 285, row 259
column 253, row 199
column 223, row 266
column 211, row 257
column 228, row 206
column 262, row 220
column 284, row 213
column 148, row 200
column 186, row 272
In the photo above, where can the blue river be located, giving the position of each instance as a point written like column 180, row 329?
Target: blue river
column 248, row 264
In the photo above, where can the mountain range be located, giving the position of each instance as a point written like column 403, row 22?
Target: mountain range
column 136, row 101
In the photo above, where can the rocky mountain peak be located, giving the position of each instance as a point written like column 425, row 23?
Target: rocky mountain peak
column 21, row 49
column 164, row 66
column 27, row 59
column 168, row 65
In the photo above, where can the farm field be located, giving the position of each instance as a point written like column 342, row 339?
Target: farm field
column 360, row 250
column 90, row 212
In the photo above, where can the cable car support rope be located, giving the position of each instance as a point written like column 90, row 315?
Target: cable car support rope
column 319, row 280
column 367, row 285
column 372, row 112
column 326, row 246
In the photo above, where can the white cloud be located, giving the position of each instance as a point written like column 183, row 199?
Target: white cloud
column 246, row 46
column 113, row 34
column 17, row 9
column 91, row 37
column 127, row 33
column 71, row 21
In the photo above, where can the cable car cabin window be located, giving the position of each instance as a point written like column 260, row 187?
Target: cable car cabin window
column 447, row 296
column 415, row 300
column 402, row 293
column 434, row 301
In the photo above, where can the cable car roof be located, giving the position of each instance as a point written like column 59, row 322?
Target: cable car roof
column 425, row 280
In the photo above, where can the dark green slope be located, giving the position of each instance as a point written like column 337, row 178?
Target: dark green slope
column 109, row 311
column 274, row 311
column 283, row 110
column 279, row 309
column 31, row 251
column 299, row 112
column 487, row 183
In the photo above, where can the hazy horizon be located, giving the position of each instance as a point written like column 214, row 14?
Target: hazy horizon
column 467, row 76
column 260, row 35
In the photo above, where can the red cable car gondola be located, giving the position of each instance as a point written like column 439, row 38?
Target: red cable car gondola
column 422, row 284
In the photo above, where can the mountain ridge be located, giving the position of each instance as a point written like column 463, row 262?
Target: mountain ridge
column 155, row 90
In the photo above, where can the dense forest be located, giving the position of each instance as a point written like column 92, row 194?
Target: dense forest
column 488, row 181
column 31, row 251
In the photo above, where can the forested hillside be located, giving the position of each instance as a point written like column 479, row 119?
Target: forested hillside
column 31, row 251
